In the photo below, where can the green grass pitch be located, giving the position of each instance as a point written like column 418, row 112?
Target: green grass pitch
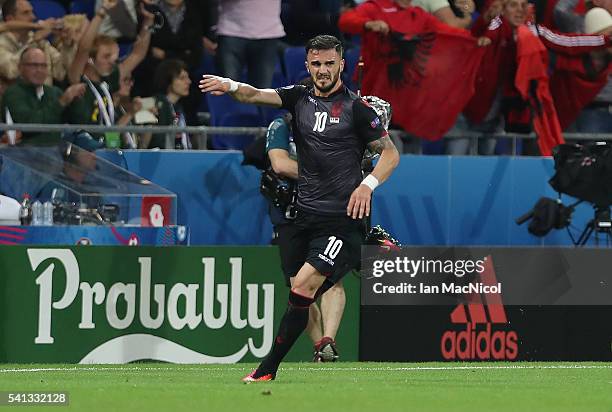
column 331, row 387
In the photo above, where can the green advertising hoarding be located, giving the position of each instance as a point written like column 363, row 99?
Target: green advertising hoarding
column 102, row 304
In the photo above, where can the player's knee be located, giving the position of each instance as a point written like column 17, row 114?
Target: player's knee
column 304, row 289
column 297, row 299
column 306, row 286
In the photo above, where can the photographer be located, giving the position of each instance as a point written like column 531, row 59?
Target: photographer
column 323, row 323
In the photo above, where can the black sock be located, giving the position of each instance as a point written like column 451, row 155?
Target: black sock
column 291, row 327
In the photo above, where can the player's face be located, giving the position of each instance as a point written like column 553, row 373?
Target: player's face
column 515, row 11
column 324, row 67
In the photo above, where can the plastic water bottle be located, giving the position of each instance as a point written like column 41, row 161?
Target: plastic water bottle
column 25, row 211
column 47, row 213
column 37, row 213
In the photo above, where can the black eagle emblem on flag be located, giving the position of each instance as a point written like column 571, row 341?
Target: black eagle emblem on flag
column 408, row 56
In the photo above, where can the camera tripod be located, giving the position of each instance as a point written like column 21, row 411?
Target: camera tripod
column 601, row 223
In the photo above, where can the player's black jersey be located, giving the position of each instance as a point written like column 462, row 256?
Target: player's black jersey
column 330, row 134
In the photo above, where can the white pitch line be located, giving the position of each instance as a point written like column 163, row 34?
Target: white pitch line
column 321, row 369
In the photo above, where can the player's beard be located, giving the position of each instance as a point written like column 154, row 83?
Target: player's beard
column 333, row 82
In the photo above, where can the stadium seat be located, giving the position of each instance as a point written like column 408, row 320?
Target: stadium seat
column 433, row 147
column 226, row 112
column 270, row 113
column 278, row 78
column 207, row 66
column 294, row 59
column 351, row 58
column 44, row 9
column 87, row 7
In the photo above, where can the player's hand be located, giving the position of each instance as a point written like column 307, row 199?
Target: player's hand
column 216, row 85
column 359, row 203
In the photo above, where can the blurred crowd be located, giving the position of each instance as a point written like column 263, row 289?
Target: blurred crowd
column 479, row 68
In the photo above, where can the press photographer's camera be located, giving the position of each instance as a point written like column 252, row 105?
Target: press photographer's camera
column 583, row 172
column 279, row 192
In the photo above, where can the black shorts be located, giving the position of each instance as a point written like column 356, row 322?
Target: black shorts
column 331, row 244
column 284, row 235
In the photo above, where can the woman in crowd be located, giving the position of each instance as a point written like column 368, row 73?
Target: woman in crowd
column 173, row 84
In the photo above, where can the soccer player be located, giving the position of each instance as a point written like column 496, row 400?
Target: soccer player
column 323, row 323
column 331, row 127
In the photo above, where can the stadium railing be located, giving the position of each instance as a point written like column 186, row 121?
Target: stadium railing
column 201, row 133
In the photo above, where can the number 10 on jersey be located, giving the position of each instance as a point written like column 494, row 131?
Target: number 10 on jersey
column 320, row 121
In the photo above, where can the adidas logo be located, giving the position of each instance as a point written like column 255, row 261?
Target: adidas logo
column 480, row 340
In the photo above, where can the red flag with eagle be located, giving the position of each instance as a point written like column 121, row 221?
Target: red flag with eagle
column 424, row 68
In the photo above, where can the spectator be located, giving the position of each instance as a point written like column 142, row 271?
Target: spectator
column 502, row 78
column 456, row 13
column 568, row 20
column 209, row 12
column 179, row 38
column 30, row 100
column 67, row 38
column 181, row 35
column 96, row 65
column 596, row 116
column 173, row 84
column 120, row 22
column 305, row 19
column 248, row 35
column 13, row 42
column 400, row 43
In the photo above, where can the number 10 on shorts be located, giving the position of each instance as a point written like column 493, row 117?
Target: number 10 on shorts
column 333, row 247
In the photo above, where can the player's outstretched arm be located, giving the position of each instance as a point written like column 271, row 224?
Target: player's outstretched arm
column 359, row 203
column 242, row 92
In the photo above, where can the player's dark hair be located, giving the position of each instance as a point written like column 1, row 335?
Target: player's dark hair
column 325, row 42
column 166, row 72
column 9, row 8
